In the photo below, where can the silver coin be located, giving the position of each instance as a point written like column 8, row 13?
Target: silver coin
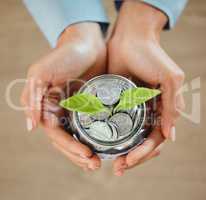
column 114, row 140
column 109, row 93
column 123, row 123
column 132, row 112
column 114, row 131
column 91, row 90
column 101, row 116
column 100, row 130
column 85, row 120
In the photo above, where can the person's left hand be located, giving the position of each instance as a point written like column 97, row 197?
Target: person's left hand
column 149, row 149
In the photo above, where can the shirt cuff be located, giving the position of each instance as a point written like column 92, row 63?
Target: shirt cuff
column 53, row 16
column 172, row 8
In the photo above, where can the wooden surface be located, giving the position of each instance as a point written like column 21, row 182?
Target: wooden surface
column 31, row 169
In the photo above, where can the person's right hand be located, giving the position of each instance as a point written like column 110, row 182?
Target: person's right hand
column 80, row 53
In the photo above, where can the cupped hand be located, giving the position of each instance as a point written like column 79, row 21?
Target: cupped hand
column 55, row 119
column 80, row 54
column 151, row 148
column 134, row 51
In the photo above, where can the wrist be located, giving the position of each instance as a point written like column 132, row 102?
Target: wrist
column 143, row 18
column 85, row 31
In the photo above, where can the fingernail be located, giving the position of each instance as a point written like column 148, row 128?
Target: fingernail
column 123, row 166
column 95, row 167
column 29, row 124
column 92, row 167
column 119, row 173
column 173, row 134
column 84, row 157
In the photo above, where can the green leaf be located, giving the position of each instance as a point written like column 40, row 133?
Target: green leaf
column 134, row 97
column 85, row 103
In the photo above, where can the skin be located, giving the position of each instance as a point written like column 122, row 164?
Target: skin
column 133, row 51
column 80, row 54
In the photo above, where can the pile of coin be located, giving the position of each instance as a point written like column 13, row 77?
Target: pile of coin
column 110, row 134
column 105, row 126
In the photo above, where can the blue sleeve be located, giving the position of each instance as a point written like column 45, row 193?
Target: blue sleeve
column 53, row 16
column 172, row 8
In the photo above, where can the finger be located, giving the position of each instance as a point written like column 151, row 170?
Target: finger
column 32, row 100
column 50, row 120
column 150, row 156
column 52, row 114
column 68, row 142
column 119, row 165
column 171, row 99
column 153, row 154
column 180, row 103
column 169, row 112
column 92, row 163
column 53, row 107
column 74, row 158
column 150, row 144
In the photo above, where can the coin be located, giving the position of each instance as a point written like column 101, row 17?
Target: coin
column 85, row 120
column 100, row 130
column 108, row 135
column 91, row 90
column 114, row 130
column 123, row 123
column 108, row 93
column 101, row 116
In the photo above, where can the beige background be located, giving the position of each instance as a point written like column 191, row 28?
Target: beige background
column 31, row 169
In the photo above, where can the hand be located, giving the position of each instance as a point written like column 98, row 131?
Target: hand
column 134, row 51
column 54, row 119
column 149, row 149
column 80, row 53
